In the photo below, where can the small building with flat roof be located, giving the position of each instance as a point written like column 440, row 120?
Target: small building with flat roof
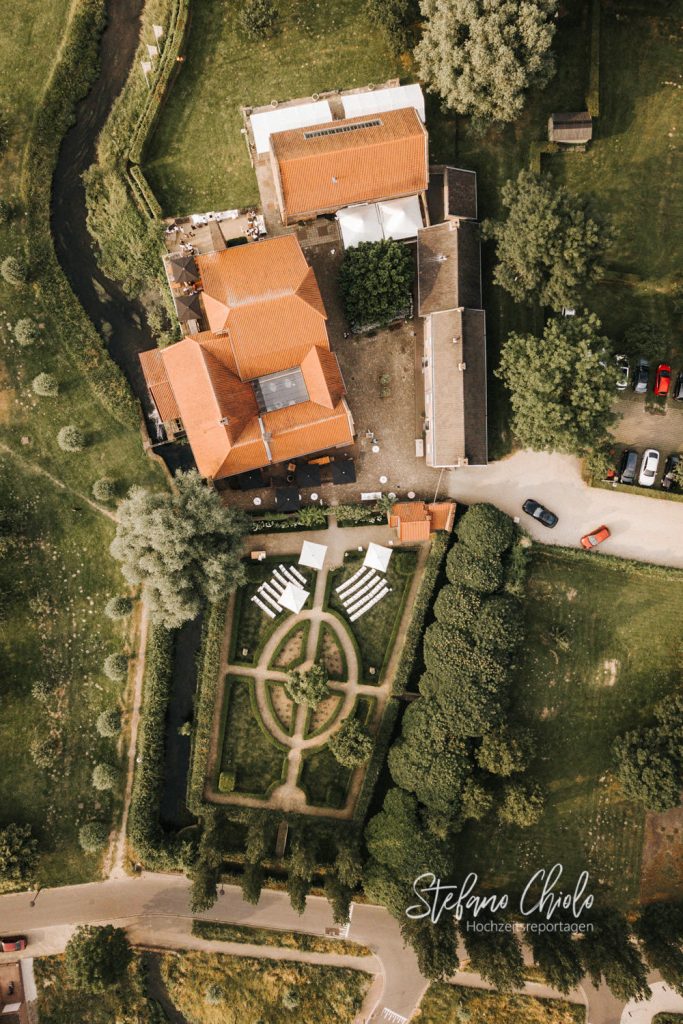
column 572, row 129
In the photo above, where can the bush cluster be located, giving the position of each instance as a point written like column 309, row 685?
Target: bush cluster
column 115, row 667
column 14, row 270
column 104, row 489
column 26, row 331
column 649, row 761
column 45, row 385
column 71, row 439
column 258, row 18
column 118, row 607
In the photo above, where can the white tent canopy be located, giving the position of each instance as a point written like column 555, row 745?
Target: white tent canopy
column 377, row 100
column 281, row 119
column 293, row 598
column 371, row 222
column 401, row 218
column 377, row 557
column 313, row 555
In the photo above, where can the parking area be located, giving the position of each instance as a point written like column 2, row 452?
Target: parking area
column 649, row 422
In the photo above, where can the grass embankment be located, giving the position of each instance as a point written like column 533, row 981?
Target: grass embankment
column 443, row 1004
column 318, row 47
column 285, row 940
column 599, row 652
column 59, row 1003
column 56, row 571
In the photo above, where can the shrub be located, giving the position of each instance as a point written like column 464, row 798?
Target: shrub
column 213, row 995
column 93, row 836
column 307, row 687
column 351, row 745
column 116, row 667
column 14, row 270
column 26, row 331
column 104, row 489
column 486, row 530
column 45, row 385
column 226, row 782
column 104, row 776
column 42, row 690
column 46, row 751
column 71, row 439
column 258, row 18
column 109, row 722
column 376, row 280
column 312, row 515
column 466, row 568
column 6, row 211
column 394, row 17
column 118, row 607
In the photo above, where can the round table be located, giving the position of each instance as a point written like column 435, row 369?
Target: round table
column 383, row 479
column 314, row 497
column 257, row 501
column 375, row 448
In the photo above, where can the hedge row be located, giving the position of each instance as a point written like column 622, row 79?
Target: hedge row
column 382, row 741
column 421, row 607
column 593, row 95
column 298, row 627
column 152, row 846
column 71, row 80
column 207, row 690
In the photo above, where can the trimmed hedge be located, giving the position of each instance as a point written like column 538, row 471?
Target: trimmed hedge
column 593, row 95
column 207, row 690
column 154, row 847
column 421, row 607
column 70, row 82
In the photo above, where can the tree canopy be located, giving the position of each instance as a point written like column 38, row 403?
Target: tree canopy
column 184, row 547
column 350, row 744
column 486, row 530
column 308, row 687
column 548, row 247
column 561, row 386
column 397, row 839
column 376, row 279
column 97, row 957
column 18, row 853
column 481, row 56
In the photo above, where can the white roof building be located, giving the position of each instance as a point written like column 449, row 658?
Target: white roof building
column 281, row 119
column 375, row 101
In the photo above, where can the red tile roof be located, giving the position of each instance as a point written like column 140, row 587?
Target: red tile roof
column 160, row 389
column 384, row 158
column 415, row 520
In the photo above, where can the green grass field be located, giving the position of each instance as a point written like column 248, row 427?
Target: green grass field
column 254, row 757
column 197, row 158
column 446, row 1004
column 600, row 651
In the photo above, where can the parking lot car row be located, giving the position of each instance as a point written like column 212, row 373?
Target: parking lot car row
column 649, row 465
column 639, row 379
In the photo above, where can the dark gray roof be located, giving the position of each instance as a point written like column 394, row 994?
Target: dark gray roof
column 448, row 267
column 188, row 307
column 571, row 127
column 182, row 268
column 452, row 192
column 457, row 366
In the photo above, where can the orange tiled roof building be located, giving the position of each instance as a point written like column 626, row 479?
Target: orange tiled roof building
column 261, row 385
column 415, row 520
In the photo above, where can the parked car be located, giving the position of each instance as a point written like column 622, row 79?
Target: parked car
column 628, row 467
column 540, row 512
column 678, row 390
column 648, row 467
column 663, row 379
column 668, row 483
column 623, row 372
column 13, row 943
column 591, row 540
column 641, row 376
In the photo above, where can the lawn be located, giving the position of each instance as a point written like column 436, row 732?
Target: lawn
column 251, row 627
column 197, row 158
column 247, row 750
column 247, row 990
column 375, row 632
column 285, row 940
column 598, row 655
column 445, row 1004
column 322, row 778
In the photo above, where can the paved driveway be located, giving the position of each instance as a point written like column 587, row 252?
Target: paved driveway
column 643, row 528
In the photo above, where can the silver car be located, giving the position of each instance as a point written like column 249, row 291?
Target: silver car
column 649, row 467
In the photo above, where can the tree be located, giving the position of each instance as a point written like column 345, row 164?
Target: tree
column 376, row 279
column 183, row 547
column 302, row 856
column 472, row 702
column 71, row 439
column 561, row 388
column 382, row 886
column 496, row 953
column 252, row 882
column 429, row 760
column 348, row 864
column 259, row 838
column 298, row 889
column 46, row 750
column 118, row 607
column 435, row 945
column 503, row 752
column 14, row 270
column 608, row 951
column 396, row 839
column 476, row 800
column 204, row 877
column 109, row 722
column 104, row 489
column 339, row 897
column 96, row 958
column 557, row 956
column 258, row 18
column 467, row 569
column 18, row 853
column 522, row 806
column 309, row 687
column 93, row 836
column 105, row 776
column 351, row 745
column 481, row 57
column 486, row 531
column 449, row 650
column 660, row 930
column 115, row 667
column 395, row 18
column 646, row 770
column 548, row 247
column 45, row 385
column 26, row 332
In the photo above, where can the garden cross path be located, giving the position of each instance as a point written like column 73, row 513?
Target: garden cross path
column 289, row 796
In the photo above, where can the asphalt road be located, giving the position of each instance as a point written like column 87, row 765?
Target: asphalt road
column 643, row 528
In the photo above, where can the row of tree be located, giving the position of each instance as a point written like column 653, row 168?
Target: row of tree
column 649, row 761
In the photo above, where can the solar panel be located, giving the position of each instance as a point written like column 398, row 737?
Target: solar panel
column 339, row 129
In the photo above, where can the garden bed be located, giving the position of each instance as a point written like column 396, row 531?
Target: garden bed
column 248, row 751
column 251, row 627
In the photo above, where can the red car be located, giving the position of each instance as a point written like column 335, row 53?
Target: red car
column 13, row 943
column 663, row 379
column 591, row 540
